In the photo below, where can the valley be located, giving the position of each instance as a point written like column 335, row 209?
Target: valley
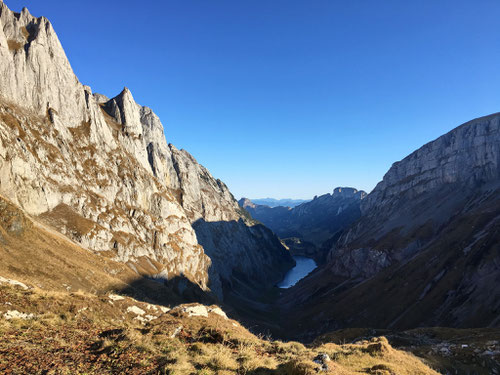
column 121, row 253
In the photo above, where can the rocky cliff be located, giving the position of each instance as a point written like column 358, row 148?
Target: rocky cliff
column 426, row 248
column 100, row 171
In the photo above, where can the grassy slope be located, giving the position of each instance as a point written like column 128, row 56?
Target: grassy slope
column 81, row 333
column 449, row 350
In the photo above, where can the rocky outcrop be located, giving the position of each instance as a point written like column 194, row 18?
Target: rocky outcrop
column 100, row 170
column 425, row 251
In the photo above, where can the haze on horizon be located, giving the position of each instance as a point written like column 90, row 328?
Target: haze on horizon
column 290, row 99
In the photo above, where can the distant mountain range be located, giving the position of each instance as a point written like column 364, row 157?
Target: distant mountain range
column 304, row 228
column 271, row 202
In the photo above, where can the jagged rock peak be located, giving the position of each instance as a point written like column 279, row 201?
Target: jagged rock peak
column 348, row 192
column 245, row 202
column 123, row 108
column 30, row 52
column 100, row 98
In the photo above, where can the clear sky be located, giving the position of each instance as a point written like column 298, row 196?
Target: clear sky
column 287, row 98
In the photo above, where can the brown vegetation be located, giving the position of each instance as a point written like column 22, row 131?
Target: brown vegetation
column 81, row 333
column 14, row 45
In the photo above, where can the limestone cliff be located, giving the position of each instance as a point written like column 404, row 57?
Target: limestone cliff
column 100, row 170
column 421, row 193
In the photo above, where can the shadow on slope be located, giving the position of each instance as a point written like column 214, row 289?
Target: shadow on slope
column 250, row 260
column 450, row 280
column 169, row 293
column 247, row 258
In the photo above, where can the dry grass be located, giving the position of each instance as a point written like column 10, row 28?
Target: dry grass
column 25, row 32
column 83, row 333
column 63, row 215
column 14, row 45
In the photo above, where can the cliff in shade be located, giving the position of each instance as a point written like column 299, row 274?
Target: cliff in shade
column 426, row 250
column 306, row 227
column 100, row 172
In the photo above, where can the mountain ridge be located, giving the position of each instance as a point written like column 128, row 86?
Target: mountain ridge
column 306, row 227
column 425, row 250
column 100, row 171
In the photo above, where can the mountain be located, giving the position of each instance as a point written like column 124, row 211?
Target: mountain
column 107, row 232
column 286, row 202
column 311, row 223
column 426, row 250
column 100, row 172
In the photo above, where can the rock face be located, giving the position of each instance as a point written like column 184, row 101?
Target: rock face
column 100, row 171
column 426, row 248
column 467, row 155
column 35, row 70
column 313, row 222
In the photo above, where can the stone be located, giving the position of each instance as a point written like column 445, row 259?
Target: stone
column 135, row 310
column 14, row 314
column 193, row 310
column 217, row 310
column 115, row 297
column 322, row 359
column 176, row 332
column 3, row 280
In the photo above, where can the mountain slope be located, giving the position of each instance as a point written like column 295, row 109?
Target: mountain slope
column 48, row 332
column 426, row 251
column 100, row 171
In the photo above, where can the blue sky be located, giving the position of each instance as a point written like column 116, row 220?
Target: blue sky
column 286, row 98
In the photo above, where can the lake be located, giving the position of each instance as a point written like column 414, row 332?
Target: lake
column 303, row 268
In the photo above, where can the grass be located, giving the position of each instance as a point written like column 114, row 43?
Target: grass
column 14, row 45
column 83, row 333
